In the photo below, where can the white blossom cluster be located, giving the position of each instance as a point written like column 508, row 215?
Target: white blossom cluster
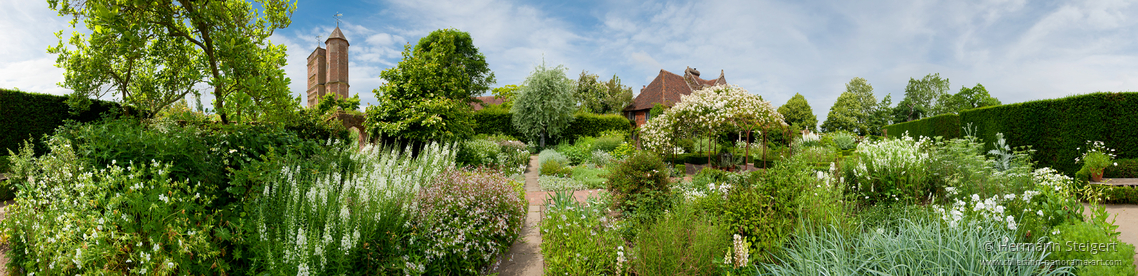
column 709, row 110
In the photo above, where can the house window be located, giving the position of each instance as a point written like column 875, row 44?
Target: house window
column 647, row 115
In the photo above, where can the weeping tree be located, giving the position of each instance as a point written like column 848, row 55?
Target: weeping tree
column 544, row 105
column 711, row 111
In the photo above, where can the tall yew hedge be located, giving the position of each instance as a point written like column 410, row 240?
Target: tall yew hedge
column 26, row 115
column 497, row 121
column 1055, row 128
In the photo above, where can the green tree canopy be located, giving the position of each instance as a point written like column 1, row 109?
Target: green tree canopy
column 925, row 97
column 867, row 105
column 507, row 93
column 844, row 114
column 153, row 53
column 798, row 113
column 544, row 106
column 595, row 96
column 426, row 95
column 969, row 98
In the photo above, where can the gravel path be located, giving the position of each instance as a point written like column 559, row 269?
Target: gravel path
column 1126, row 217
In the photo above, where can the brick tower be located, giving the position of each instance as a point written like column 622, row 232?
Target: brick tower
column 328, row 69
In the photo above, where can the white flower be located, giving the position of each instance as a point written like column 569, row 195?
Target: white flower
column 1040, row 213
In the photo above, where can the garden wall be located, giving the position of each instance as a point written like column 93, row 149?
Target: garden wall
column 1055, row 128
column 26, row 115
column 497, row 121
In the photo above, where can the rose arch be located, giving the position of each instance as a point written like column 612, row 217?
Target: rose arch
column 712, row 111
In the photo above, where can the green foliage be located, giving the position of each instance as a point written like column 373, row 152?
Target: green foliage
column 478, row 152
column 555, row 168
column 1054, row 128
column 1113, row 194
column 330, row 103
column 591, row 177
column 766, row 213
column 599, row 97
column 551, row 154
column 683, row 242
column 656, row 110
column 969, row 98
column 153, row 55
column 601, row 158
column 623, row 151
column 798, row 113
column 494, row 121
column 640, row 185
column 26, row 115
column 892, row 170
column 426, row 94
column 924, row 98
column 544, row 106
column 69, row 209
column 1126, row 168
column 844, row 114
column 559, row 182
column 579, row 152
column 580, row 239
column 595, row 126
column 607, row 143
column 915, row 246
column 342, row 211
column 507, row 93
column 467, row 220
column 946, row 125
column 1091, row 241
column 843, row 140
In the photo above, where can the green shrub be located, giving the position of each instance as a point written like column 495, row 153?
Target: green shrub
column 1054, row 128
column 594, row 125
column 26, row 115
column 467, row 220
column 681, row 169
column 579, row 152
column 1072, row 242
column 74, row 218
column 559, row 183
column 478, row 152
column 623, row 151
column 550, row 154
column 766, row 213
column 683, row 242
column 607, row 143
column 494, row 121
column 1126, row 168
column 591, row 177
column 601, row 158
column 1113, row 194
column 580, row 239
column 702, row 145
column 843, row 140
column 640, row 184
column 555, row 168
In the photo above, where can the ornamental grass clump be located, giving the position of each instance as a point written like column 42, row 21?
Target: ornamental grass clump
column 466, row 219
column 918, row 246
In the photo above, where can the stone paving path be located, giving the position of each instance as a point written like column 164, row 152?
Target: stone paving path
column 524, row 257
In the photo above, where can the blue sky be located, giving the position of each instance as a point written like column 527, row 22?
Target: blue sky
column 1019, row 50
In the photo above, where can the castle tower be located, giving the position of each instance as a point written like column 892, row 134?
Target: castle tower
column 328, row 69
column 317, row 76
column 337, row 64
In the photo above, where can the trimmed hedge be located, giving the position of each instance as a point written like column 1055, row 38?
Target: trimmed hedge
column 26, row 115
column 498, row 121
column 1117, row 194
column 1055, row 128
column 1127, row 168
column 946, row 125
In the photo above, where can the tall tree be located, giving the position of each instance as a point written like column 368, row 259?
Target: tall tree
column 507, row 93
column 969, row 98
column 617, row 96
column 882, row 116
column 798, row 114
column 153, row 53
column 844, row 114
column 427, row 94
column 589, row 93
column 925, row 97
column 595, row 96
column 544, row 106
column 867, row 104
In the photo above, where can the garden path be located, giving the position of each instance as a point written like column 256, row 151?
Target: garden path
column 1126, row 217
column 524, row 257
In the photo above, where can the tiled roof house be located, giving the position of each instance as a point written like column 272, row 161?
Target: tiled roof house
column 666, row 89
column 488, row 100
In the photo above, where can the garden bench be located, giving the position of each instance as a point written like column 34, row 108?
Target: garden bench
column 1122, row 182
